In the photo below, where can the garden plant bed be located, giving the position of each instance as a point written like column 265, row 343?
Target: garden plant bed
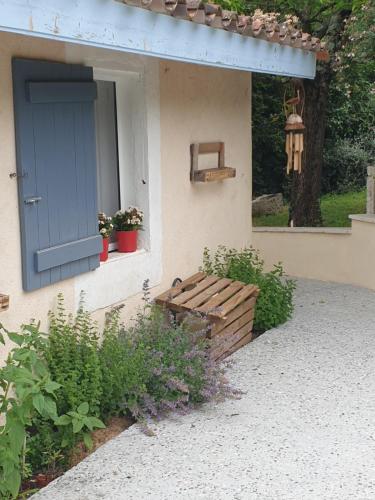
column 225, row 306
column 114, row 427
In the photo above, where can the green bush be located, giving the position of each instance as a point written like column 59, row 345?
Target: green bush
column 275, row 301
column 123, row 369
column 345, row 164
column 73, row 360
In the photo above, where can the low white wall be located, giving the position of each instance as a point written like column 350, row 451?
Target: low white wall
column 327, row 254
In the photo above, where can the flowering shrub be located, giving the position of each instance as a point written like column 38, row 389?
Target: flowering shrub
column 105, row 225
column 157, row 366
column 128, row 220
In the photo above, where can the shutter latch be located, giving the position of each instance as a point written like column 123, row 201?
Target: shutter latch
column 14, row 175
column 32, row 200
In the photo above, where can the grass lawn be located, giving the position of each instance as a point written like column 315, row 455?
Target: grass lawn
column 335, row 211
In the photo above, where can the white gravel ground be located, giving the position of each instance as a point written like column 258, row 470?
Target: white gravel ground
column 304, row 430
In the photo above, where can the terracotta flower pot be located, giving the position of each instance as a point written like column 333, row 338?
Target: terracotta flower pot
column 127, row 241
column 104, row 253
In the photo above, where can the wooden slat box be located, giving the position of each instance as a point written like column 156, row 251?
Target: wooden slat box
column 228, row 305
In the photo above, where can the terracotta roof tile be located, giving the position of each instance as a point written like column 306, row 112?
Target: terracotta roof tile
column 260, row 25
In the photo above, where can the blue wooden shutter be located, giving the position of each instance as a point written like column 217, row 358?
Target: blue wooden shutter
column 56, row 165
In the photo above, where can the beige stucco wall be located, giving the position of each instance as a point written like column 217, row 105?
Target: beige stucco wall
column 201, row 104
column 196, row 104
column 342, row 256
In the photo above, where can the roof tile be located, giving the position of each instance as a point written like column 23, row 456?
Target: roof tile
column 260, row 25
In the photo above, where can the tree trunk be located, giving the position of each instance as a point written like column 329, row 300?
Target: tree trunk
column 305, row 193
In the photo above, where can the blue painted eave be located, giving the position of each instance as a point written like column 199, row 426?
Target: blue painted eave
column 112, row 25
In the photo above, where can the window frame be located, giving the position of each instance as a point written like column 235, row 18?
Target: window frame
column 130, row 138
column 122, row 275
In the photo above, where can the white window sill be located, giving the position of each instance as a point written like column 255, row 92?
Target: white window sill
column 118, row 278
column 116, row 256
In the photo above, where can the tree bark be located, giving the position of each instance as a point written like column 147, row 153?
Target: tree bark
column 305, row 193
column 305, row 189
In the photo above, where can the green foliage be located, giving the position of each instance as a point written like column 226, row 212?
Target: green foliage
column 124, row 378
column 275, row 301
column 72, row 357
column 154, row 366
column 350, row 132
column 345, row 163
column 149, row 368
column 73, row 361
column 27, row 391
column 336, row 209
column 44, row 450
column 268, row 122
column 78, row 422
column 350, row 143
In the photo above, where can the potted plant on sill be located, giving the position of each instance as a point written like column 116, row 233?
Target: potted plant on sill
column 105, row 229
column 127, row 224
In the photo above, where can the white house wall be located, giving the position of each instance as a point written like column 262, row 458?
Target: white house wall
column 196, row 104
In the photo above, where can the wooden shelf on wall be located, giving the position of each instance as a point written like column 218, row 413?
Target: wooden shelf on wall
column 214, row 174
column 4, row 302
column 219, row 173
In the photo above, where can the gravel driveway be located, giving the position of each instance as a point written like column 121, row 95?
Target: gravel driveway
column 304, row 430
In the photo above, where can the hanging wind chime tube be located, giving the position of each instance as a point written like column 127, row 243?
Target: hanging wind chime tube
column 294, row 137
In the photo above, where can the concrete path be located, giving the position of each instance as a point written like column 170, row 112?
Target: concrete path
column 304, row 430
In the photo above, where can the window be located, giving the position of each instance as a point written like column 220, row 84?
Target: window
column 57, row 141
column 108, row 181
column 121, row 145
column 138, row 143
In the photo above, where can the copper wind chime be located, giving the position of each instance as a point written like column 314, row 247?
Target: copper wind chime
column 294, row 131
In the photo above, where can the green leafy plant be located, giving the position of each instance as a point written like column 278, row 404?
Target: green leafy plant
column 72, row 357
column 123, row 376
column 78, row 422
column 275, row 301
column 44, row 451
column 27, row 391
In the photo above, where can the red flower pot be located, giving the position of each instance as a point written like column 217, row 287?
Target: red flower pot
column 104, row 253
column 127, row 241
